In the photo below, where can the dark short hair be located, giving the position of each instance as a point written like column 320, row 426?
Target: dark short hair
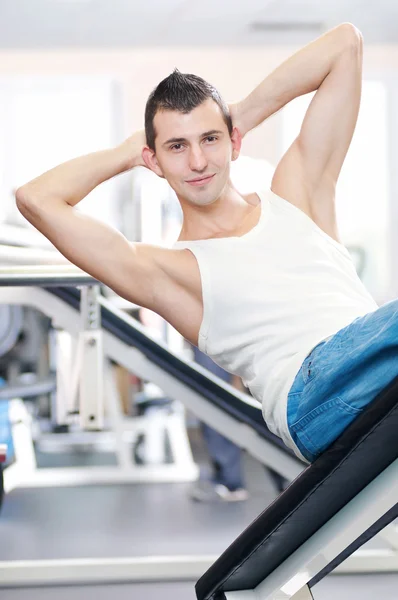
column 181, row 92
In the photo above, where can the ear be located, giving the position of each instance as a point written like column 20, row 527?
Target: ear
column 236, row 140
column 151, row 161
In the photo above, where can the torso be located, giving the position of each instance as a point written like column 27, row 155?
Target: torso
column 183, row 306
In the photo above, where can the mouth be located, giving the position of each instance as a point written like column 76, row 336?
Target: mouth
column 201, row 180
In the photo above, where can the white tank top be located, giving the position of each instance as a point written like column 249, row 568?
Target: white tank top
column 270, row 296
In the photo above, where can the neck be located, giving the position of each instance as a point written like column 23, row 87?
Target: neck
column 221, row 218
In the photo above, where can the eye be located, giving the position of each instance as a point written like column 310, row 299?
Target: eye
column 211, row 138
column 176, row 147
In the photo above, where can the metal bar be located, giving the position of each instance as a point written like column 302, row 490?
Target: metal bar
column 369, row 561
column 242, row 595
column 64, row 402
column 390, row 535
column 17, row 255
column 44, row 276
column 78, row 476
column 91, row 372
column 346, row 526
column 303, row 594
column 91, row 381
column 27, row 390
column 44, row 280
column 78, row 571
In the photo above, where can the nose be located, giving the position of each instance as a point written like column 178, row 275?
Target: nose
column 197, row 159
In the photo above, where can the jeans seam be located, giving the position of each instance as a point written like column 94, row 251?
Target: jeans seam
column 348, row 408
column 307, row 443
column 298, row 428
column 303, row 421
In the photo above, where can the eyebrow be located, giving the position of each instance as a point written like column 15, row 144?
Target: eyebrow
column 180, row 139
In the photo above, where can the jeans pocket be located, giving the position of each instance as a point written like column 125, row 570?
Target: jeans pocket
column 321, row 426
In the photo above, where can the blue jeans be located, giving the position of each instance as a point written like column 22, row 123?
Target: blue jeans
column 340, row 377
column 226, row 459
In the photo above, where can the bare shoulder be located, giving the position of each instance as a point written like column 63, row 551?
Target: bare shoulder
column 176, row 287
column 290, row 184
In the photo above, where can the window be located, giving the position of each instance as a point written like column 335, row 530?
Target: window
column 50, row 120
column 362, row 202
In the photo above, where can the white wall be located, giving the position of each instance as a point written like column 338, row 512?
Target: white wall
column 235, row 71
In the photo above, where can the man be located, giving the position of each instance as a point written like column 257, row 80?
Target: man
column 261, row 283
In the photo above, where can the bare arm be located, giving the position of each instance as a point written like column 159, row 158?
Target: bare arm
column 300, row 74
column 332, row 65
column 73, row 180
column 48, row 202
column 96, row 248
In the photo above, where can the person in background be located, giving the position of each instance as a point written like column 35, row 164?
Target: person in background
column 227, row 480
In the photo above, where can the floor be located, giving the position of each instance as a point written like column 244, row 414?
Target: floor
column 142, row 520
column 347, row 587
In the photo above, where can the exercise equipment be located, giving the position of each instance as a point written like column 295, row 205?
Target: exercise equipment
column 347, row 496
column 234, row 414
column 3, row 455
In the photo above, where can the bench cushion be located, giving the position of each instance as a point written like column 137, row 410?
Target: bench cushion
column 361, row 453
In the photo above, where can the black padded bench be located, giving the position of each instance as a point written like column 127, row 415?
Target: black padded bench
column 348, row 495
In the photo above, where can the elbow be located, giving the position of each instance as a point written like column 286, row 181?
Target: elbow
column 350, row 43
column 25, row 202
column 21, row 198
column 25, row 196
column 351, row 35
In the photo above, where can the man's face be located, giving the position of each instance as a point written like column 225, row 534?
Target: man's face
column 194, row 151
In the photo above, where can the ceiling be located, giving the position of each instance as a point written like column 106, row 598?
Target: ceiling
column 41, row 24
